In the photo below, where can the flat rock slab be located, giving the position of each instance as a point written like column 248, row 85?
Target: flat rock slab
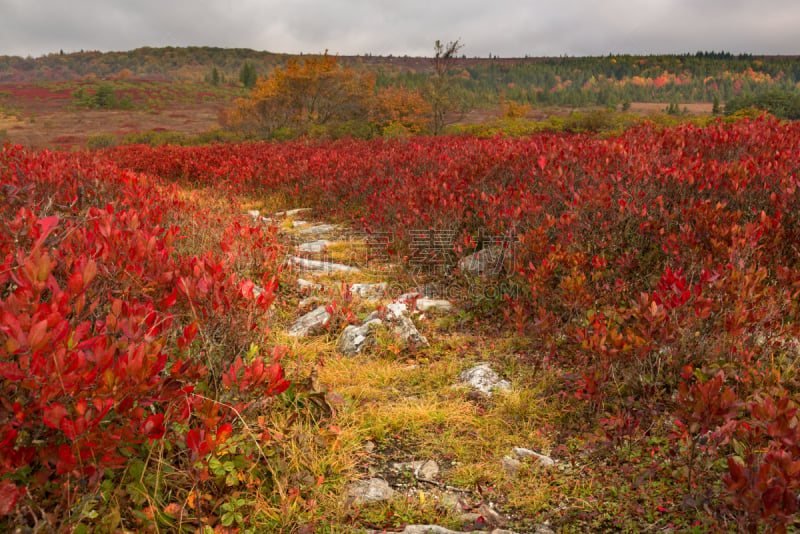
column 314, row 247
column 310, row 323
column 322, row 266
column 318, row 229
column 372, row 490
column 484, row 379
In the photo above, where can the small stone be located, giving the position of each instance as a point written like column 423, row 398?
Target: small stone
column 427, row 471
column 423, row 470
column 484, row 379
column 314, row 247
column 372, row 490
column 295, row 224
column 369, row 446
column 426, row 304
column 522, row 452
column 310, row 323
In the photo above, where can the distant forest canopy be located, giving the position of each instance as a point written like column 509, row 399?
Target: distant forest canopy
column 565, row 81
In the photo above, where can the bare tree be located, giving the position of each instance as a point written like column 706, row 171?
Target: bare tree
column 441, row 97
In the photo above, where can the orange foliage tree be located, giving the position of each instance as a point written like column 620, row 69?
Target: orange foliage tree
column 398, row 110
column 319, row 91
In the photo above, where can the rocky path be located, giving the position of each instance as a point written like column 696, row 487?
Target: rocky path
column 370, row 306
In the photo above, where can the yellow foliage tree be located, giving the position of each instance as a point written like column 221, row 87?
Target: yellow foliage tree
column 398, row 109
column 318, row 91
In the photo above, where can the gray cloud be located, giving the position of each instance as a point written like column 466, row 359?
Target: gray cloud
column 502, row 27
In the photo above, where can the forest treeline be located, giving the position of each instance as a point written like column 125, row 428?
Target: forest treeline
column 565, row 81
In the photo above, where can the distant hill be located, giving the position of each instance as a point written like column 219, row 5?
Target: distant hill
column 571, row 82
column 169, row 63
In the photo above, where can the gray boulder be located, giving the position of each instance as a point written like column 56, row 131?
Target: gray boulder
column 311, row 323
column 355, row 338
column 484, row 379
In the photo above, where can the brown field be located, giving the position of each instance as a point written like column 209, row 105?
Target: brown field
column 64, row 129
column 40, row 122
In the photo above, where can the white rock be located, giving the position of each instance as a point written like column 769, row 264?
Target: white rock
column 318, row 229
column 295, row 224
column 372, row 490
column 484, row 379
column 424, row 469
column 314, row 247
column 395, row 310
column 291, row 213
column 522, row 452
column 310, row 323
column 369, row 291
column 354, row 338
column 321, row 266
column 425, row 304
column 407, row 333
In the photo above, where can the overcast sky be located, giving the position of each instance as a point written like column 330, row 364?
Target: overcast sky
column 506, row 28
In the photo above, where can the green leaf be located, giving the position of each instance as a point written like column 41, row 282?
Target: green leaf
column 227, row 519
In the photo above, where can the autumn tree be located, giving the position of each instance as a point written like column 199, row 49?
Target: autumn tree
column 319, row 91
column 441, row 87
column 397, row 110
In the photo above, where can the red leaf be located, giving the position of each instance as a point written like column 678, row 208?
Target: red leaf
column 36, row 336
column 53, row 414
column 11, row 371
column 170, row 299
column 9, row 494
column 47, row 224
column 223, row 432
column 153, row 426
